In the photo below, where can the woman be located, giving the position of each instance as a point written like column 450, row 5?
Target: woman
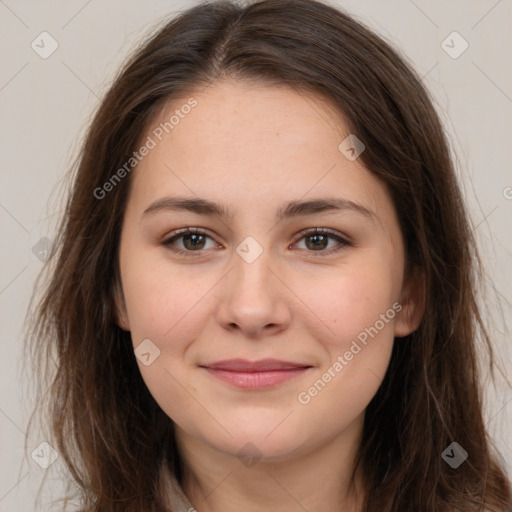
column 264, row 293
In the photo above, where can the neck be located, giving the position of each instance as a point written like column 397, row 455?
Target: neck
column 320, row 479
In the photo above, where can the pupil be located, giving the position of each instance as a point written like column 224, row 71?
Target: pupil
column 195, row 238
column 320, row 238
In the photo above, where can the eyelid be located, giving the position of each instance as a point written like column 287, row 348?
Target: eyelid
column 180, row 233
column 342, row 240
column 324, row 231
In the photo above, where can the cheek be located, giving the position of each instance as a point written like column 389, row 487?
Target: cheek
column 165, row 307
column 162, row 302
column 352, row 302
column 341, row 391
column 358, row 311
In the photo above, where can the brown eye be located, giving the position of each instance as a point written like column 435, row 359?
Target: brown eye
column 318, row 239
column 191, row 240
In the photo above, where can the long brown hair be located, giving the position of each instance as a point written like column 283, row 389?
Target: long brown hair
column 109, row 430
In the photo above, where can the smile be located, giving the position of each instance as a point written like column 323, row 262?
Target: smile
column 255, row 375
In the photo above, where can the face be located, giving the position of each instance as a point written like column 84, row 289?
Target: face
column 293, row 258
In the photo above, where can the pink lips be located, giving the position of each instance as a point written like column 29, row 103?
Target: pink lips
column 257, row 374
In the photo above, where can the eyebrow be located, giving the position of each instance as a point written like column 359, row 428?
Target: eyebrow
column 292, row 209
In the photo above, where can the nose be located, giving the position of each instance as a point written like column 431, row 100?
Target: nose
column 254, row 299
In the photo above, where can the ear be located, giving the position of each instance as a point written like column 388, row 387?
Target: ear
column 413, row 301
column 121, row 316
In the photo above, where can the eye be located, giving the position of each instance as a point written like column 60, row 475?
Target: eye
column 192, row 239
column 317, row 239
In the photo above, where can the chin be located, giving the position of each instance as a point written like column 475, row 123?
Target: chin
column 259, row 442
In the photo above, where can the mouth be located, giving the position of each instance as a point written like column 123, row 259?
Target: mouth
column 257, row 374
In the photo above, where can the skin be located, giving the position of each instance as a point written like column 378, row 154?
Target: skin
column 254, row 148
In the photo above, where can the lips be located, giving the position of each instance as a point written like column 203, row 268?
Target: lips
column 255, row 374
column 265, row 365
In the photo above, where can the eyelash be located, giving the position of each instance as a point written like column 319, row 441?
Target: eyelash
column 303, row 234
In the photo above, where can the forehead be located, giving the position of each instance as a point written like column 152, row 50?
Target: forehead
column 241, row 121
column 250, row 144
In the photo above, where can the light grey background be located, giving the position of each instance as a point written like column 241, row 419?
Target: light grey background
column 45, row 105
